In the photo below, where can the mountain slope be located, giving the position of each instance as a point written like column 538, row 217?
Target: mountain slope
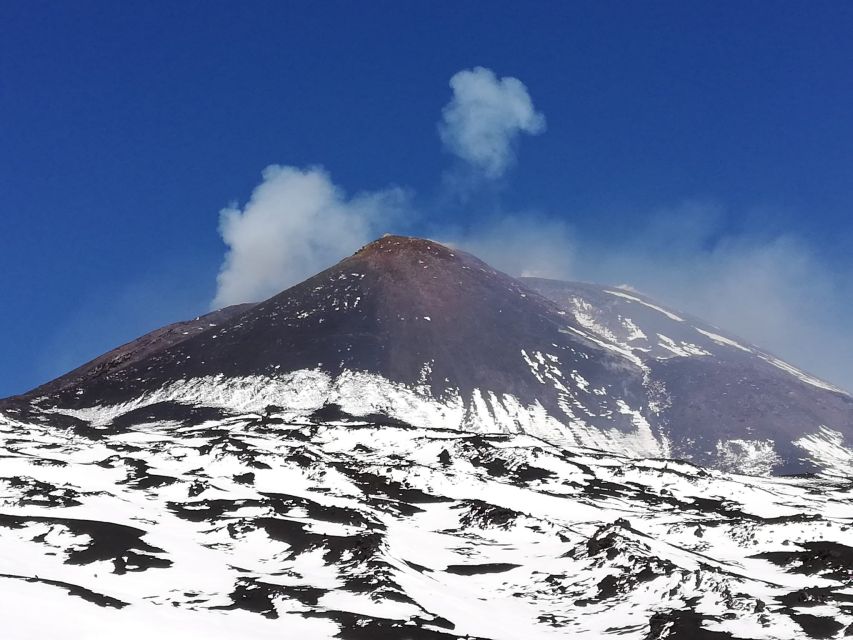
column 431, row 336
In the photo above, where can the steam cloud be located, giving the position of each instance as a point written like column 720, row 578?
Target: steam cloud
column 295, row 224
column 772, row 290
column 521, row 245
column 483, row 120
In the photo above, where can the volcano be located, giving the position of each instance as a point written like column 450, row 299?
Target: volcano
column 422, row 333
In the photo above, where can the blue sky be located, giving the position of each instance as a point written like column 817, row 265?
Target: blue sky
column 687, row 143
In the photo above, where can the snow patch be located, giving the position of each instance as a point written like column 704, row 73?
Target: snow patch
column 751, row 457
column 668, row 314
column 784, row 366
column 723, row 340
column 827, row 449
column 682, row 349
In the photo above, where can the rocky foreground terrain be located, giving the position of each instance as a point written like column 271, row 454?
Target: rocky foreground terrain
column 256, row 526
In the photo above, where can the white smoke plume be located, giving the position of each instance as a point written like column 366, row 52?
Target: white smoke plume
column 774, row 290
column 296, row 223
column 484, row 118
column 521, row 245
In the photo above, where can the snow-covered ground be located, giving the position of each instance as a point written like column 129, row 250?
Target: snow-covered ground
column 266, row 524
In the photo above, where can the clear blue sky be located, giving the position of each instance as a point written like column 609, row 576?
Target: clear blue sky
column 126, row 126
